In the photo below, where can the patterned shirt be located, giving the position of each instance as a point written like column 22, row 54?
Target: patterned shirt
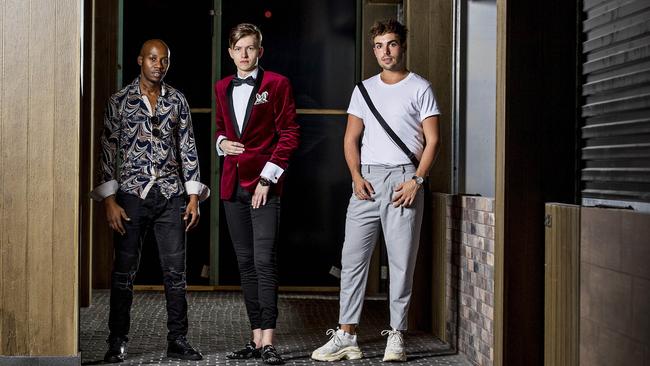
column 143, row 145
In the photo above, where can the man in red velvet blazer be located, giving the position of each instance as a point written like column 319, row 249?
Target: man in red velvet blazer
column 257, row 133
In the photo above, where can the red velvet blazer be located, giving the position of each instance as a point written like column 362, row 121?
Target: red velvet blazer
column 269, row 133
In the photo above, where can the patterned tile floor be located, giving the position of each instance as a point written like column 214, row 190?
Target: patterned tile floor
column 218, row 324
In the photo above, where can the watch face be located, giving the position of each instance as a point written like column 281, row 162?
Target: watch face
column 418, row 180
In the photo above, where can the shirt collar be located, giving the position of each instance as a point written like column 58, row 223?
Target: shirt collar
column 253, row 74
column 135, row 86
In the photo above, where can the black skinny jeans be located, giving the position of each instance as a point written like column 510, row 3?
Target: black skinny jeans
column 165, row 217
column 253, row 233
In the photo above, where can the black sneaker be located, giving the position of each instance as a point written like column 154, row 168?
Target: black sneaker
column 249, row 351
column 270, row 356
column 181, row 348
column 116, row 350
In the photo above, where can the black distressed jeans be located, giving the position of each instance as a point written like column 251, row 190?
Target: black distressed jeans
column 165, row 217
column 254, row 233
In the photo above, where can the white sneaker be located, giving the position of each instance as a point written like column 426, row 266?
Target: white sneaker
column 394, row 346
column 341, row 346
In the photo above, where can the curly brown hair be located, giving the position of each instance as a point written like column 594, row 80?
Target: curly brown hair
column 382, row 27
column 242, row 30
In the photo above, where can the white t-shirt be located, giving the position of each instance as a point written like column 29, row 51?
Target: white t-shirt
column 404, row 105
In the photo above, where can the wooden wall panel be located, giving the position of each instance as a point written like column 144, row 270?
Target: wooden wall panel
column 562, row 284
column 39, row 124
column 104, row 73
column 66, row 177
column 429, row 54
column 40, row 128
column 15, row 107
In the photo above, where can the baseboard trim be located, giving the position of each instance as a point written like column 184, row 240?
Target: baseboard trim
column 40, row 360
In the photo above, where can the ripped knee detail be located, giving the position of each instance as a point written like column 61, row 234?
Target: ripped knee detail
column 175, row 280
column 123, row 281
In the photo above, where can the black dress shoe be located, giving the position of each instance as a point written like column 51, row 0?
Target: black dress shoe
column 181, row 348
column 116, row 350
column 270, row 356
column 249, row 351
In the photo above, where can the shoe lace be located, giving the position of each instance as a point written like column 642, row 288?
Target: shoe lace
column 334, row 337
column 395, row 337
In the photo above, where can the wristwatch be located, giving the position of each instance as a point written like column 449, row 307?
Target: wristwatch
column 221, row 142
column 418, row 180
column 265, row 182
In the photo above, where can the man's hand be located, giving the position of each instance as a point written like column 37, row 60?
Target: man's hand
column 405, row 193
column 260, row 196
column 115, row 214
column 363, row 189
column 192, row 212
column 231, row 147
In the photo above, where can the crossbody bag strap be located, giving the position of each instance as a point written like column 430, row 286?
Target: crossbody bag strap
column 386, row 127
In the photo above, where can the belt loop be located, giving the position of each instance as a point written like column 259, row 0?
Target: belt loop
column 367, row 168
column 403, row 168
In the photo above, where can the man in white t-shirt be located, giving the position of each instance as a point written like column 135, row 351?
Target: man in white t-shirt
column 387, row 191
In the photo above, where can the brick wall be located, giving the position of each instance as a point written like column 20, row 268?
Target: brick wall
column 470, row 277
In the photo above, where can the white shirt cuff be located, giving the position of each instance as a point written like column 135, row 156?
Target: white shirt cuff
column 272, row 172
column 197, row 188
column 104, row 190
column 219, row 151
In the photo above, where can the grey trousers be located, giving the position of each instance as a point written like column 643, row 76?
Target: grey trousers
column 401, row 229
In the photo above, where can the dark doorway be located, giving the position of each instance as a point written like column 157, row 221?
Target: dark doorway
column 187, row 29
column 313, row 43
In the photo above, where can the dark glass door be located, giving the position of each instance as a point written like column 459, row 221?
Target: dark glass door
column 187, row 28
column 313, row 43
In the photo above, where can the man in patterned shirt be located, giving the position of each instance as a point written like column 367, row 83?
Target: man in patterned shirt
column 149, row 179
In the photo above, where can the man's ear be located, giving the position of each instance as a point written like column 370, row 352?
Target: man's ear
column 230, row 52
column 140, row 59
column 261, row 52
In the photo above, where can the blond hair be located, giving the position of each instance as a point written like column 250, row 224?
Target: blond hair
column 243, row 30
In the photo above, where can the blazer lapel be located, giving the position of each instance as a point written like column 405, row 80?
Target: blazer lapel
column 256, row 88
column 231, row 109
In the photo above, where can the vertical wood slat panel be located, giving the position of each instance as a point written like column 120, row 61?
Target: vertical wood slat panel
column 14, row 338
column 39, row 171
column 66, row 176
column 39, row 122
column 561, row 289
column 104, row 66
column 430, row 46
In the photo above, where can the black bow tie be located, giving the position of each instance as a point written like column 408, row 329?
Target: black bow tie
column 249, row 80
